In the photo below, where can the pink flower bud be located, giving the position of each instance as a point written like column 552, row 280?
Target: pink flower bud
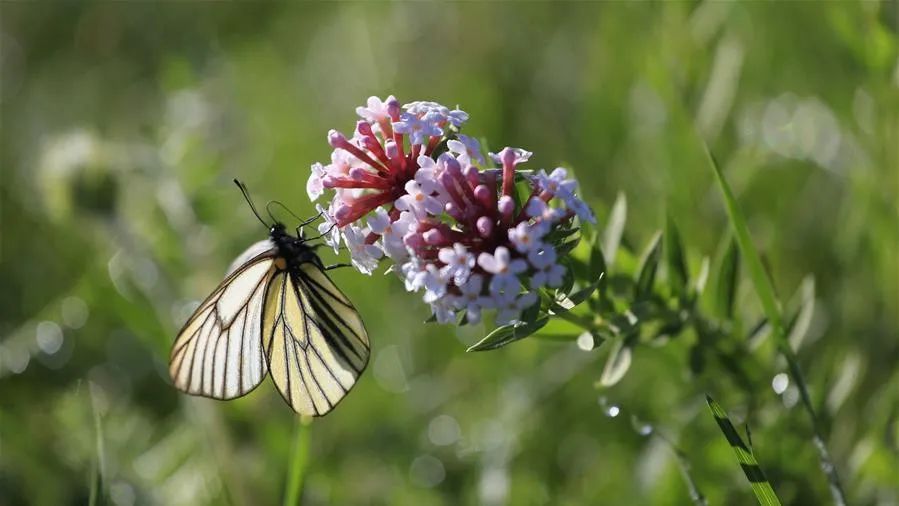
column 506, row 206
column 454, row 211
column 508, row 156
column 451, row 164
column 485, row 226
column 393, row 108
column 485, row 196
column 472, row 175
column 434, row 236
column 364, row 128
column 390, row 148
column 336, row 139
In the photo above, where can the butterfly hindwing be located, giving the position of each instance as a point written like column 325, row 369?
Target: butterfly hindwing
column 314, row 339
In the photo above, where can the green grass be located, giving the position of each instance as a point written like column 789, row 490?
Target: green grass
column 761, row 487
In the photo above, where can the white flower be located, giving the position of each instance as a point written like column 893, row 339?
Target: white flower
column 444, row 310
column 471, row 299
column 503, row 268
column 431, row 279
column 314, row 187
column 328, row 228
column 375, row 110
column 457, row 117
column 363, row 256
column 555, row 182
column 467, row 148
column 458, row 263
column 422, row 107
column 547, row 271
column 525, row 237
column 391, row 232
column 418, row 200
column 513, row 155
column 511, row 308
column 537, row 208
column 418, row 129
column 581, row 209
column 408, row 272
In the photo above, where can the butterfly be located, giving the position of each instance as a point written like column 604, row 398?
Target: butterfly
column 276, row 312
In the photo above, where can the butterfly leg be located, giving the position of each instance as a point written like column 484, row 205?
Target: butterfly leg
column 336, row 266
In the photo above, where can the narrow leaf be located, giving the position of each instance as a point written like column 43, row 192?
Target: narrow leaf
column 757, row 274
column 761, row 487
column 675, row 259
column 565, row 304
column 617, row 364
column 803, row 320
column 649, row 265
column 726, row 280
column 597, row 260
column 507, row 334
column 702, row 277
column 611, row 236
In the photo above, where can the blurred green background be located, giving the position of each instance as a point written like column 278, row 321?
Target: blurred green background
column 123, row 125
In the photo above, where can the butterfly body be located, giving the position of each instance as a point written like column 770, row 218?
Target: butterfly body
column 293, row 250
column 276, row 313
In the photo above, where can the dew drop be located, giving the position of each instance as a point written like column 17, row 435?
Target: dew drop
column 780, row 383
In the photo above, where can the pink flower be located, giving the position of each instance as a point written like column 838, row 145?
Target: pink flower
column 459, row 233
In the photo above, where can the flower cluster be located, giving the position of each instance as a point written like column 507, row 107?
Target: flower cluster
column 408, row 187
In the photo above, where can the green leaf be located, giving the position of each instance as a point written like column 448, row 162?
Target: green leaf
column 617, row 364
column 702, row 277
column 611, row 236
column 567, row 303
column 761, row 487
column 508, row 334
column 726, row 280
column 649, row 265
column 763, row 287
column 802, row 319
column 531, row 314
column 597, row 260
column 675, row 259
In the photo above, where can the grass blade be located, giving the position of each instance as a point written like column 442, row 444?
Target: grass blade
column 678, row 275
column 765, row 291
column 761, row 487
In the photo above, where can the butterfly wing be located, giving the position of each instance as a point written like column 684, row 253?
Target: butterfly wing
column 218, row 353
column 314, row 339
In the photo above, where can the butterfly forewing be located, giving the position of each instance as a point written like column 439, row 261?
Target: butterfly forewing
column 218, row 353
column 315, row 341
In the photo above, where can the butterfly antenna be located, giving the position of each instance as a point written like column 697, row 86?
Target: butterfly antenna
column 246, row 196
column 269, row 210
column 326, row 232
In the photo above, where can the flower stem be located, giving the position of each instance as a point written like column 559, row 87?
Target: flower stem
column 298, row 463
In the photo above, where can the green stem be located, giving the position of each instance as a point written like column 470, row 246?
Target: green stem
column 581, row 321
column 298, row 463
